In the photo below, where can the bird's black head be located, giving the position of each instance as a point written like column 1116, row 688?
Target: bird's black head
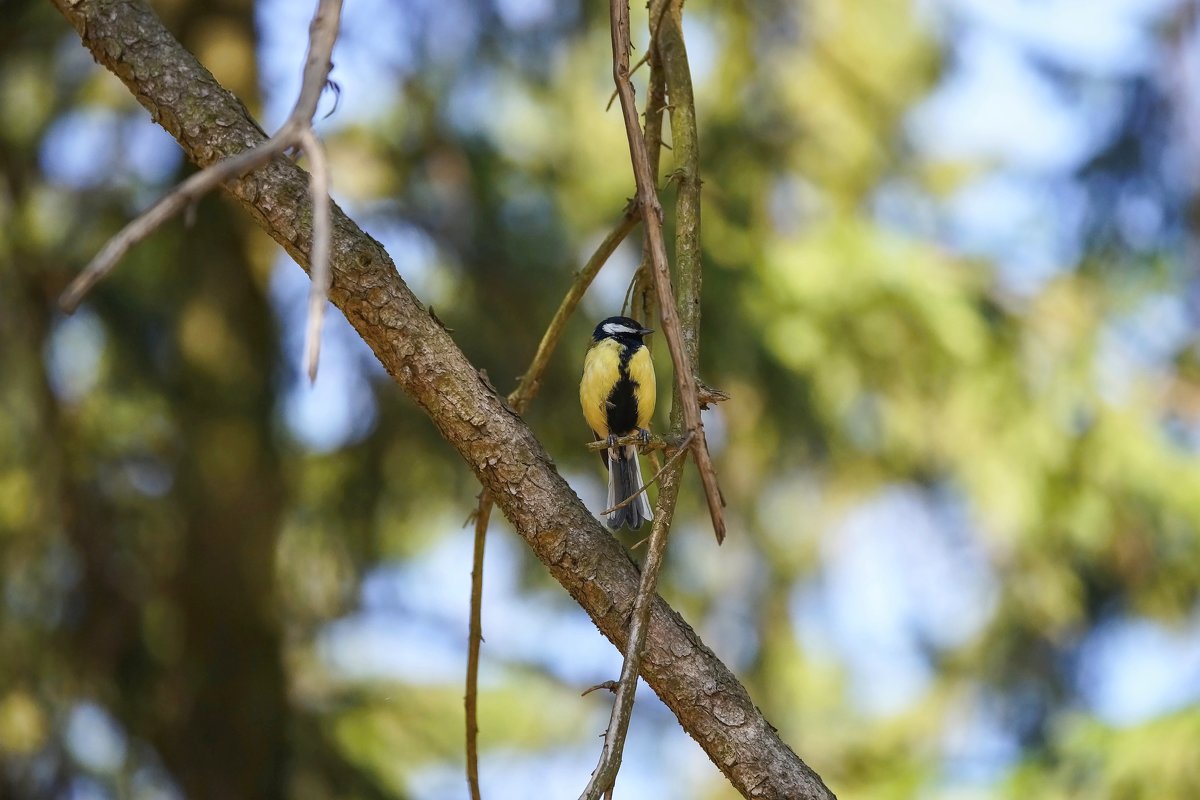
column 620, row 328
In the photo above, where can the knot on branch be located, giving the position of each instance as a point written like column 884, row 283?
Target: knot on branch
column 709, row 395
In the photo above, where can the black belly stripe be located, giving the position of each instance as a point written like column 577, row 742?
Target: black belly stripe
column 622, row 406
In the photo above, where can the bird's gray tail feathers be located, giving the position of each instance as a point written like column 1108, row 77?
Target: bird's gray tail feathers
column 624, row 480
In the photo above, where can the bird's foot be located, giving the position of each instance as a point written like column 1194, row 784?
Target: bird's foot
column 644, row 435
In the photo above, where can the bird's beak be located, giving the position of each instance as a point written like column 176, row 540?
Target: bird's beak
column 645, row 331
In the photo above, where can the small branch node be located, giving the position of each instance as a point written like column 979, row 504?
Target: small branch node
column 610, row 685
column 709, row 395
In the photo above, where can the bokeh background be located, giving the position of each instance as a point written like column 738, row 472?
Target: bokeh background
column 950, row 282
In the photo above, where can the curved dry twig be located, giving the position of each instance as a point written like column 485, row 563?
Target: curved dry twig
column 519, row 399
column 296, row 132
column 167, row 207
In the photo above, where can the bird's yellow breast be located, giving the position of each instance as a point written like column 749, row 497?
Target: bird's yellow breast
column 641, row 371
column 601, row 371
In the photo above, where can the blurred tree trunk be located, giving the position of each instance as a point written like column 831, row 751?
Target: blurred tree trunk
column 220, row 722
column 185, row 652
column 223, row 730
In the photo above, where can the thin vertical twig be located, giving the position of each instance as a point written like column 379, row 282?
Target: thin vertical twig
column 604, row 777
column 680, row 318
column 519, row 399
column 642, row 304
column 475, row 639
column 686, row 178
column 647, row 195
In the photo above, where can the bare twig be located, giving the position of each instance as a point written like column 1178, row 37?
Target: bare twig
column 604, row 777
column 645, row 445
column 150, row 220
column 627, row 303
column 296, row 132
column 684, row 136
column 610, row 685
column 674, row 457
column 656, row 100
column 319, row 288
column 519, row 399
column 470, row 701
column 652, row 217
column 642, row 303
column 531, row 381
column 650, row 49
column 636, row 67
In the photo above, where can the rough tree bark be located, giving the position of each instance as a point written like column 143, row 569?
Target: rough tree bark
column 210, row 123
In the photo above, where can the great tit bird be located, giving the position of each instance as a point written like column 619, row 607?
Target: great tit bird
column 617, row 394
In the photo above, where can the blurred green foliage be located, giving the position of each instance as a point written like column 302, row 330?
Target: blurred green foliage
column 174, row 550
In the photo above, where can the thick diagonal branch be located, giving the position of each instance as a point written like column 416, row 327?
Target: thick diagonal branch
column 709, row 702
